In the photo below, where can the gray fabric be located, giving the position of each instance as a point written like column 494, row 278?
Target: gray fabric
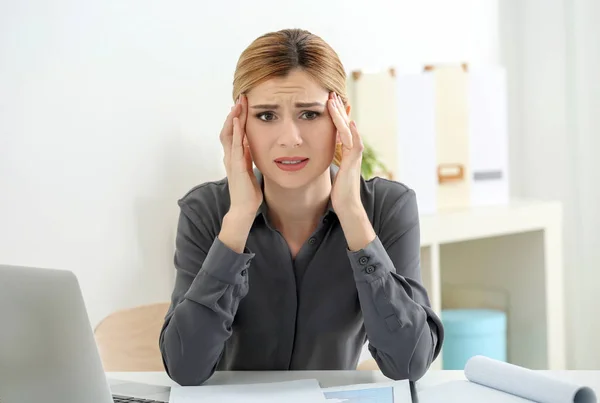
column 261, row 310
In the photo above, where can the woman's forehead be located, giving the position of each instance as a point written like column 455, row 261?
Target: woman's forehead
column 297, row 85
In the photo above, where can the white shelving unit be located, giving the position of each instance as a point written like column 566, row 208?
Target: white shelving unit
column 507, row 257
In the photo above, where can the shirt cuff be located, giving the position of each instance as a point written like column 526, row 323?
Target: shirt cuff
column 370, row 263
column 225, row 264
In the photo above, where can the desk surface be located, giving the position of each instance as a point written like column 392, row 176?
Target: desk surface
column 338, row 378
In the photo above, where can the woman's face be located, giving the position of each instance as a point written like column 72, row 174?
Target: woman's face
column 290, row 132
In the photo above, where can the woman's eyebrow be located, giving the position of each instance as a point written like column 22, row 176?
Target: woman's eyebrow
column 264, row 106
column 298, row 105
column 308, row 104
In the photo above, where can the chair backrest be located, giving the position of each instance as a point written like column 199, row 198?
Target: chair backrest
column 367, row 365
column 128, row 339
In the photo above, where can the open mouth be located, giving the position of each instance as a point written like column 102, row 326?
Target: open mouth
column 294, row 162
column 291, row 163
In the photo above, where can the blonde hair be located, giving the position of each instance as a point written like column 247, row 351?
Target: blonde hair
column 276, row 54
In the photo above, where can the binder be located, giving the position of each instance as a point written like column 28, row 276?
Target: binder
column 441, row 131
column 415, row 138
column 453, row 163
column 488, row 133
column 372, row 97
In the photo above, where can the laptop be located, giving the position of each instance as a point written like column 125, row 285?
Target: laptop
column 48, row 352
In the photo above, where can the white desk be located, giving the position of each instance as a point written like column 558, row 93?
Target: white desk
column 337, row 378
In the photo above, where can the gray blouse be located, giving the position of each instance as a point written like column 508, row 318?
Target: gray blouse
column 263, row 310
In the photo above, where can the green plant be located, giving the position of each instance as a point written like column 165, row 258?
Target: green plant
column 371, row 165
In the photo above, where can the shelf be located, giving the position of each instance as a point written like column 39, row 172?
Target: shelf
column 514, row 251
column 479, row 222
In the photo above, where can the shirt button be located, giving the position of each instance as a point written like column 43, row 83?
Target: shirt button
column 363, row 260
column 312, row 241
column 243, row 273
column 370, row 269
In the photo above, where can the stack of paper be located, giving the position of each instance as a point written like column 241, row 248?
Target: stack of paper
column 303, row 391
column 394, row 392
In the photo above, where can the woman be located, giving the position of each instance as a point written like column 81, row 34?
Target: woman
column 296, row 265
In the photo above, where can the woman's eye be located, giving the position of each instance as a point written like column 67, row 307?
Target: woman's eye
column 266, row 116
column 310, row 115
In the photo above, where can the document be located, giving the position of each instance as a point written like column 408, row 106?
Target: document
column 388, row 392
column 301, row 391
column 372, row 395
column 494, row 381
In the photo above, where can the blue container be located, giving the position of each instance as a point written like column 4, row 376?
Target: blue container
column 470, row 332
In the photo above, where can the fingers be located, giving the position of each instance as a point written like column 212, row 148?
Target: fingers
column 340, row 121
column 341, row 108
column 237, row 146
column 244, row 112
column 227, row 130
column 356, row 140
column 226, row 136
column 248, row 157
column 239, row 142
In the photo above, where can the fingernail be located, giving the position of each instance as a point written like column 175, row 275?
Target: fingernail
column 353, row 124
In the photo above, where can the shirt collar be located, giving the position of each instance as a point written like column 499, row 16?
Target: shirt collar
column 333, row 170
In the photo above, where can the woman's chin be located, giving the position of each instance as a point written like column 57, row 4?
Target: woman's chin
column 289, row 179
column 294, row 181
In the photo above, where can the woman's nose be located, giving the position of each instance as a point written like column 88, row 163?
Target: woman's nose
column 290, row 135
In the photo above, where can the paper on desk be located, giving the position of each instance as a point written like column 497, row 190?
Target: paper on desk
column 466, row 392
column 525, row 382
column 301, row 391
column 385, row 392
column 495, row 381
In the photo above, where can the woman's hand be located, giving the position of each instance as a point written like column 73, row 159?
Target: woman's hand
column 345, row 194
column 244, row 190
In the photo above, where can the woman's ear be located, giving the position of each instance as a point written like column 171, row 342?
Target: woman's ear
column 348, row 108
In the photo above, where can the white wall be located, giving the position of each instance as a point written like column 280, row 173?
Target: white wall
column 110, row 111
column 552, row 51
column 583, row 57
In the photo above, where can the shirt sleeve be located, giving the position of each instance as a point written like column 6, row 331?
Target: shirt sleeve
column 404, row 333
column 211, row 279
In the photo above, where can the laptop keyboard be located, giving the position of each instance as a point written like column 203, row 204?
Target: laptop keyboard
column 125, row 399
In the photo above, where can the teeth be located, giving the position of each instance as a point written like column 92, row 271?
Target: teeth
column 290, row 162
